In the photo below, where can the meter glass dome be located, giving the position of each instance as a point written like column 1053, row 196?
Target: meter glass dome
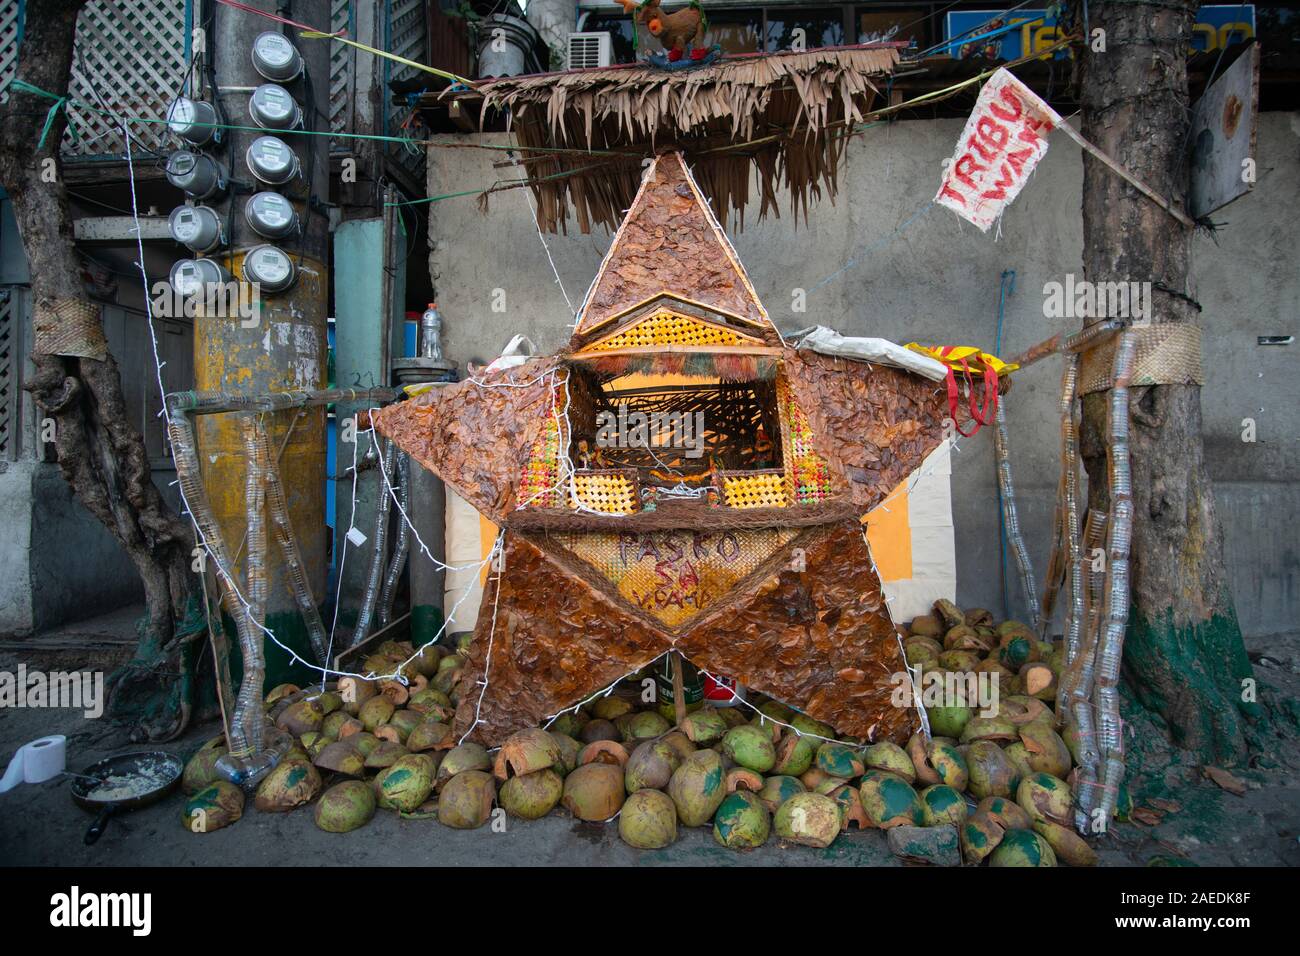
column 275, row 57
column 271, row 215
column 196, row 227
column 272, row 107
column 272, row 161
column 190, row 276
column 193, row 173
column 270, row 267
column 192, row 120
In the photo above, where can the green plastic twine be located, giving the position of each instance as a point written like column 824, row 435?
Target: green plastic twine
column 60, row 102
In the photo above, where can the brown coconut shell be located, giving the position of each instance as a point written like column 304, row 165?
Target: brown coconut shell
column 465, row 801
column 395, row 691
column 341, row 757
column 301, row 717
column 281, row 691
column 738, row 778
column 598, row 729
column 430, row 735
column 1066, row 844
column 375, row 712
column 603, row 751
column 594, row 791
column 350, row 727
column 355, row 691
column 385, row 755
column 527, row 751
column 918, row 750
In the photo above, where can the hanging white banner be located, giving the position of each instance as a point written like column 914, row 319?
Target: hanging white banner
column 1004, row 138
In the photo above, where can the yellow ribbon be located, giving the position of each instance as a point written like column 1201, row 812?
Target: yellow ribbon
column 318, row 35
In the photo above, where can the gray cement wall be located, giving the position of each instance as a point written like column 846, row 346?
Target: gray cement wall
column 937, row 280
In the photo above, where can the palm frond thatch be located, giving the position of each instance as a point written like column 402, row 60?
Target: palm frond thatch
column 782, row 115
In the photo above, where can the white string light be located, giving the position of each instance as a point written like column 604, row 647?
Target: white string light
column 567, row 476
column 343, row 556
column 225, row 574
column 499, row 549
column 533, row 209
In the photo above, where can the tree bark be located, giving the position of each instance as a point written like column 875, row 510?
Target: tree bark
column 1183, row 655
column 99, row 451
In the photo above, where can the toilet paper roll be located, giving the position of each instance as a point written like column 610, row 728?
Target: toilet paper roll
column 36, row 762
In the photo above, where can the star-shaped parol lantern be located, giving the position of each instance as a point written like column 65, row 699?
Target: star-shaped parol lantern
column 678, row 479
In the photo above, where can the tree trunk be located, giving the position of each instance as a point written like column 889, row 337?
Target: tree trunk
column 99, row 451
column 1183, row 654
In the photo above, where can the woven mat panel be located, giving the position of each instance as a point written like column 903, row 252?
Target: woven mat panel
column 1166, row 354
column 68, row 327
column 674, row 575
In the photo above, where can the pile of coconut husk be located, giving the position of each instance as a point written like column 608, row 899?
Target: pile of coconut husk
column 380, row 744
column 985, row 786
column 783, row 116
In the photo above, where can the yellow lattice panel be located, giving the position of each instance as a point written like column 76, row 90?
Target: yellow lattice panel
column 763, row 489
column 671, row 328
column 609, row 492
column 674, row 575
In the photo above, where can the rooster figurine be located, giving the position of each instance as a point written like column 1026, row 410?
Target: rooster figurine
column 678, row 31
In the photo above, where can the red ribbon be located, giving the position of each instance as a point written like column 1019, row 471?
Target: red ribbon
column 982, row 416
column 278, row 19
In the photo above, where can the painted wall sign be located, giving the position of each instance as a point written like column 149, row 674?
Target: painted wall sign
column 1002, row 142
column 1217, row 25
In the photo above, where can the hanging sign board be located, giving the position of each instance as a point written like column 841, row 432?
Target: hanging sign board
column 1004, row 138
column 1223, row 136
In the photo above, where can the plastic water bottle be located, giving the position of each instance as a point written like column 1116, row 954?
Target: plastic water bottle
column 431, row 332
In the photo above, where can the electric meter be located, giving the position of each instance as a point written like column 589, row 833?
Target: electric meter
column 191, row 276
column 196, row 227
column 271, row 107
column 197, row 175
column 270, row 267
column 192, row 120
column 272, row 161
column 271, row 215
column 276, row 58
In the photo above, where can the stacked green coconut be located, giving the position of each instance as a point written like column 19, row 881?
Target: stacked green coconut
column 993, row 785
column 379, row 744
column 1009, row 762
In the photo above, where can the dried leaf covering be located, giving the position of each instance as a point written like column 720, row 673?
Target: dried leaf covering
column 669, row 243
column 790, row 109
column 873, row 423
column 817, row 638
column 474, row 435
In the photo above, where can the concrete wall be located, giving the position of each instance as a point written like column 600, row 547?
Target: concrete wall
column 936, row 280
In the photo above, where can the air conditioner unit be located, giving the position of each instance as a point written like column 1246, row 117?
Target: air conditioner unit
column 588, row 50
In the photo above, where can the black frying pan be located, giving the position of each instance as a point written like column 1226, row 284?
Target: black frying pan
column 157, row 773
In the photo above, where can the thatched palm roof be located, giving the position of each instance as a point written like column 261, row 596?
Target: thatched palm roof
column 785, row 115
